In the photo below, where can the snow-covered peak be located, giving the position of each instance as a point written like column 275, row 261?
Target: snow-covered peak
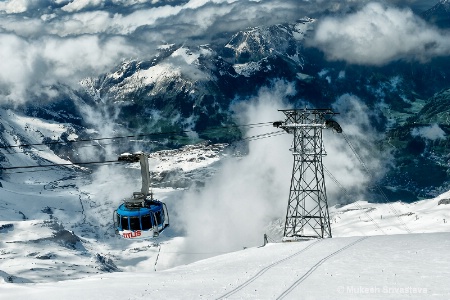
column 188, row 56
column 259, row 42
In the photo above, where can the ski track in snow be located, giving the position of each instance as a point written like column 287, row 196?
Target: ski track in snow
column 295, row 284
column 264, row 270
column 318, row 264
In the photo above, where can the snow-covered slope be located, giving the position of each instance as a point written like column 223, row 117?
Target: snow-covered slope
column 18, row 129
column 62, row 217
column 439, row 14
column 363, row 218
column 413, row 266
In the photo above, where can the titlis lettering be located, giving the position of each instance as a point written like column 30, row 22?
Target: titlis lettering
column 130, row 235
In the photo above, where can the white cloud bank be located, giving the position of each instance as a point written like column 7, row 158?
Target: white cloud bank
column 46, row 43
column 233, row 209
column 432, row 132
column 31, row 68
column 378, row 34
column 354, row 118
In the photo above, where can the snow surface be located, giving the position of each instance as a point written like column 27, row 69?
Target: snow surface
column 247, row 69
column 378, row 267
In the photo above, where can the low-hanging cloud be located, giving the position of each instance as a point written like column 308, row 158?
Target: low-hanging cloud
column 432, row 132
column 236, row 206
column 44, row 43
column 32, row 67
column 379, row 34
column 355, row 172
column 233, row 209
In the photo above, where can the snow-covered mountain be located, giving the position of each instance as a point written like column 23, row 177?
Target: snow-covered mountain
column 439, row 14
column 259, row 43
column 20, row 129
column 187, row 87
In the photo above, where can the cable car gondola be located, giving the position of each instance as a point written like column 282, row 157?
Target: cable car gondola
column 140, row 217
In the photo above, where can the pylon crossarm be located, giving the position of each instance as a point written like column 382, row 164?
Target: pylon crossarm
column 297, row 125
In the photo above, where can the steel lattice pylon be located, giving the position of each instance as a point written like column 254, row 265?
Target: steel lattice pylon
column 307, row 211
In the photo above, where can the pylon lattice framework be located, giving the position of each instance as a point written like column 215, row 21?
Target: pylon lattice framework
column 307, row 212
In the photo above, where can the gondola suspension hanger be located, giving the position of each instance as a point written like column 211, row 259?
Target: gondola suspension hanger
column 141, row 216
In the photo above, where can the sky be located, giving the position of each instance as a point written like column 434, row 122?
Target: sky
column 45, row 43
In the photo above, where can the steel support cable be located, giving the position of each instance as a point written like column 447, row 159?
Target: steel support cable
column 263, row 135
column 369, row 173
column 254, row 125
column 255, row 137
column 376, row 185
column 29, row 171
column 261, row 138
column 354, row 203
column 43, row 150
column 75, row 164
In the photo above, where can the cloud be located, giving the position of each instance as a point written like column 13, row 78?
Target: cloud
column 77, row 5
column 15, row 6
column 48, row 42
column 233, row 209
column 204, row 16
column 36, row 65
column 45, row 43
column 432, row 132
column 354, row 118
column 378, row 34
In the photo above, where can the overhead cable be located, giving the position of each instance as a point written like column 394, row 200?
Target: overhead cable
column 386, row 200
column 135, row 135
column 251, row 138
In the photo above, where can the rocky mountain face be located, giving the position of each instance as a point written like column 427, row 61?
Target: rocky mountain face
column 439, row 14
column 192, row 88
